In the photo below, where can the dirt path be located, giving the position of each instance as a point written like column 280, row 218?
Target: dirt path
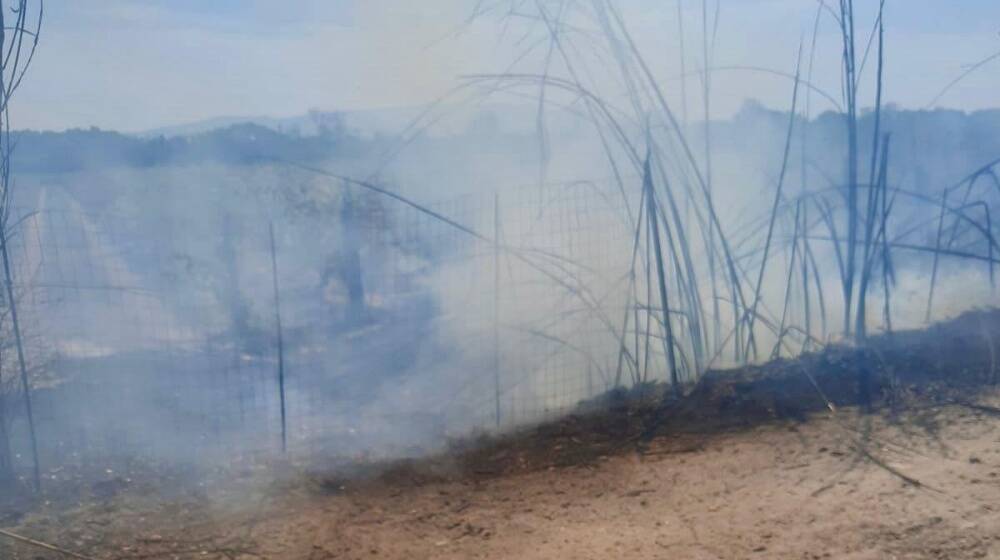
column 792, row 490
column 774, row 492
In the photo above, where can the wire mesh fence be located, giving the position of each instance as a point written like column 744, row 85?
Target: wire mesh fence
column 156, row 337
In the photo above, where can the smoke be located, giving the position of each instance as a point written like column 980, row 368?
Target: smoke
column 152, row 295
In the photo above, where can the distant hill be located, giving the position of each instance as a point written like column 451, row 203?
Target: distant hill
column 366, row 123
column 929, row 149
column 237, row 144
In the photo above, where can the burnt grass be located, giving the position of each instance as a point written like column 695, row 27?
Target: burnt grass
column 948, row 363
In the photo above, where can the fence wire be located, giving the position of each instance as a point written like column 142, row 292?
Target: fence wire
column 155, row 337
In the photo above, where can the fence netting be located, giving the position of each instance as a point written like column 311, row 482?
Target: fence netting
column 154, row 334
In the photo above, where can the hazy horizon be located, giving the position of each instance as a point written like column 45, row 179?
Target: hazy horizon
column 136, row 66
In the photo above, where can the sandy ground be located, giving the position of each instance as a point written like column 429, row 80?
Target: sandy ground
column 834, row 486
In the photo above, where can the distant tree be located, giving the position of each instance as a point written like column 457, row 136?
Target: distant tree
column 343, row 268
column 327, row 124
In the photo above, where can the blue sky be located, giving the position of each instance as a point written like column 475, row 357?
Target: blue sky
column 139, row 64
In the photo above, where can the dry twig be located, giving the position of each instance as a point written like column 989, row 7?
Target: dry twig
column 46, row 546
